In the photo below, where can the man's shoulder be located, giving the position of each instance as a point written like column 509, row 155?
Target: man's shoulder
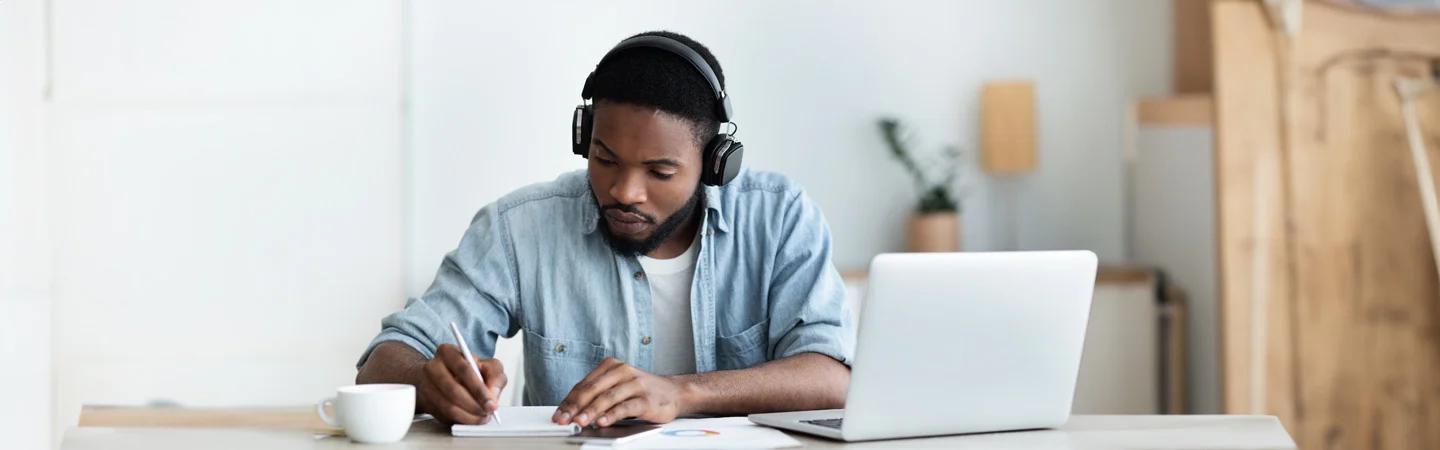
column 560, row 192
column 752, row 183
column 758, row 199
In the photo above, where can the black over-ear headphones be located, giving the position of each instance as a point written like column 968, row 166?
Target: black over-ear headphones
column 721, row 155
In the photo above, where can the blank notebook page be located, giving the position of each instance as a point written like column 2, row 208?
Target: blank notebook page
column 518, row 421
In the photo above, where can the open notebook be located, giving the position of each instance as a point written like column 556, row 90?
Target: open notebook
column 518, row 421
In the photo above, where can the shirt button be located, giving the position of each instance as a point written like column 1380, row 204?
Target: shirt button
column 560, row 348
column 710, row 231
column 646, row 340
column 639, row 275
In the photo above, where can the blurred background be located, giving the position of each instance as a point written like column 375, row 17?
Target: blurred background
column 212, row 204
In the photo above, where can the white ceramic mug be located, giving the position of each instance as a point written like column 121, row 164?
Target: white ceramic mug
column 371, row 413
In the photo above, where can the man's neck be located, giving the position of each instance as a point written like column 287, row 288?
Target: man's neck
column 680, row 240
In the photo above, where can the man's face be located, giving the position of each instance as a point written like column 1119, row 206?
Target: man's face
column 645, row 173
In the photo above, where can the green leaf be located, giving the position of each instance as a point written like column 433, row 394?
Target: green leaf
column 935, row 197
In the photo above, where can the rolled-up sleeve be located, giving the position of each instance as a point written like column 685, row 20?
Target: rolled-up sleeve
column 475, row 287
column 808, row 312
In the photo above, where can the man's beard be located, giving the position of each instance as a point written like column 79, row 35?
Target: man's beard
column 632, row 247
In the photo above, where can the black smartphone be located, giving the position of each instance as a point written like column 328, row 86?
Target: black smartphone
column 615, row 435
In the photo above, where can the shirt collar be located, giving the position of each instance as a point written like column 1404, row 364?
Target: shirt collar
column 590, row 217
column 712, row 206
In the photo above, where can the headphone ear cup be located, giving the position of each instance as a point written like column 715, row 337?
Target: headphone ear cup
column 582, row 124
column 710, row 158
column 722, row 160
column 730, row 161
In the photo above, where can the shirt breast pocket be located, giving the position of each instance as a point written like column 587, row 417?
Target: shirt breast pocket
column 744, row 350
column 553, row 366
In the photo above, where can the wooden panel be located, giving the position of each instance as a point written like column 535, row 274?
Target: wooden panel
column 1400, row 7
column 1007, row 126
column 1323, row 244
column 1103, row 275
column 1193, row 68
column 1182, row 110
column 1248, row 197
column 1176, row 350
column 1124, row 275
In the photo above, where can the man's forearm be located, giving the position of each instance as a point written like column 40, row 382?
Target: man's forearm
column 392, row 362
column 801, row 382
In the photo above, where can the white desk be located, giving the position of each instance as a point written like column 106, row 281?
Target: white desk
column 1083, row 432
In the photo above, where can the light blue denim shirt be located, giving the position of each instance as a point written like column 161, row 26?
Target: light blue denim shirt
column 535, row 262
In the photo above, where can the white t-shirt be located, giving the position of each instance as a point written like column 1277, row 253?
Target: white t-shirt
column 670, row 283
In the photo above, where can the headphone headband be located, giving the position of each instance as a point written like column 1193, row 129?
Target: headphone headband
column 722, row 101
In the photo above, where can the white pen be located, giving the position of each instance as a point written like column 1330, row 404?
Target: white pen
column 469, row 358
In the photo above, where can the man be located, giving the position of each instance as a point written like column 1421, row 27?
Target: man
column 643, row 288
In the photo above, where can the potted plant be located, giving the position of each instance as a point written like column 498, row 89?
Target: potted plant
column 935, row 224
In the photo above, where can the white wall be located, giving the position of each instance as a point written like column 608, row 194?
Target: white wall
column 24, row 256
column 225, row 197
column 494, row 84
column 1173, row 228
column 216, row 206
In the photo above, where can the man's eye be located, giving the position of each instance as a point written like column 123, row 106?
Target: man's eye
column 662, row 176
column 605, row 162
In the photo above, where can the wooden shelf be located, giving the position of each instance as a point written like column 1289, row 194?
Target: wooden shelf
column 1105, row 275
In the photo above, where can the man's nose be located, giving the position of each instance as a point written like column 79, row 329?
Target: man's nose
column 629, row 189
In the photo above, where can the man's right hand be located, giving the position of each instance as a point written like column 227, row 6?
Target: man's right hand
column 449, row 390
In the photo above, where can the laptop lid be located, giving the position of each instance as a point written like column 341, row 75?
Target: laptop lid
column 968, row 342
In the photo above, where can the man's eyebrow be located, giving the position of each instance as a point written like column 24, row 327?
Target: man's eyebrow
column 652, row 162
column 605, row 147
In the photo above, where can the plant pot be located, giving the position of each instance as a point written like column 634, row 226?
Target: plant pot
column 933, row 232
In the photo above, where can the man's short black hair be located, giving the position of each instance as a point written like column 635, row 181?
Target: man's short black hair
column 654, row 78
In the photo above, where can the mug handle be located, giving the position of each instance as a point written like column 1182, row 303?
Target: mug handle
column 320, row 408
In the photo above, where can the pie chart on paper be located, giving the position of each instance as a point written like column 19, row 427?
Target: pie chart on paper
column 690, row 433
column 718, row 433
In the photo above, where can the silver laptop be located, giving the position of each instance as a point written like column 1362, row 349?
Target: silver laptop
column 953, row 343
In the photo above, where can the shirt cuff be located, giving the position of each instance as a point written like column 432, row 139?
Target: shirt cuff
column 825, row 339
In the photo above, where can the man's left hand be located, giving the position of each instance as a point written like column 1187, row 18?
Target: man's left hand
column 616, row 391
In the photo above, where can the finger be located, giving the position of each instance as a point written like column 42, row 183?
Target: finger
column 495, row 379
column 427, row 397
column 450, row 389
column 589, row 394
column 445, row 410
column 634, row 407
column 567, row 408
column 581, row 393
column 436, row 404
column 467, row 380
column 443, row 379
column 622, row 392
column 456, row 413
